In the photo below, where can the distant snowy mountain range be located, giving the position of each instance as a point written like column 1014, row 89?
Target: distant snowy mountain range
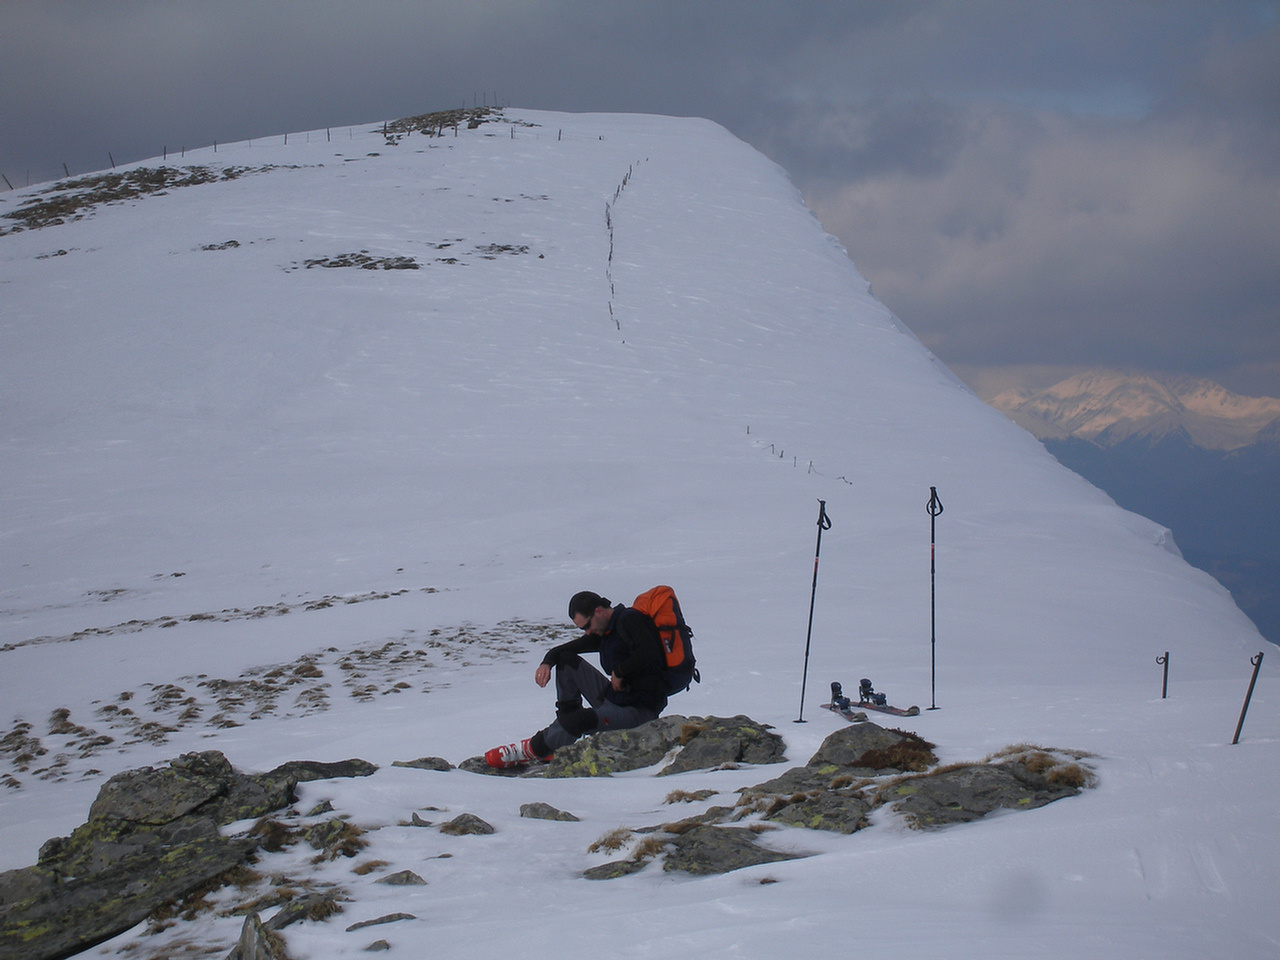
column 1186, row 452
column 1109, row 407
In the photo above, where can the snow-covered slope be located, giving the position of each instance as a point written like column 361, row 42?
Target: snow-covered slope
column 627, row 355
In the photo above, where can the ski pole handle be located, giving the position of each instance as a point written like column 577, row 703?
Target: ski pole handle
column 935, row 505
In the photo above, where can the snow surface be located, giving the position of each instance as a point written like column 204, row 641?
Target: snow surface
column 646, row 364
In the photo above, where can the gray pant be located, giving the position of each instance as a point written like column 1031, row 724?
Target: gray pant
column 581, row 680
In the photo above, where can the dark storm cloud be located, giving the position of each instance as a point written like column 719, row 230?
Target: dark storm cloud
column 1120, row 212
column 1024, row 182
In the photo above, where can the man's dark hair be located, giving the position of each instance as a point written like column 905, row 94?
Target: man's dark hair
column 585, row 603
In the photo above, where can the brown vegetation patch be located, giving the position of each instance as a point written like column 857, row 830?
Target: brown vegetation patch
column 912, row 753
column 436, row 123
column 612, row 841
column 73, row 199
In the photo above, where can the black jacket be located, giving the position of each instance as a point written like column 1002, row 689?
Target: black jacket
column 630, row 650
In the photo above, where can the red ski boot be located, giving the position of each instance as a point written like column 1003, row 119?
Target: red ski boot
column 512, row 755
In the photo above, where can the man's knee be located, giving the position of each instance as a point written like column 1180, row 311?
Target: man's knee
column 578, row 722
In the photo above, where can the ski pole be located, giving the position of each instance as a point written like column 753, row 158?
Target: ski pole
column 1164, row 688
column 824, row 523
column 935, row 509
column 1257, row 662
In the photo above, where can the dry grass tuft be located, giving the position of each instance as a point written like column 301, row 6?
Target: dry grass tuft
column 688, row 796
column 679, row 827
column 335, row 838
column 275, row 835
column 1059, row 767
column 748, row 805
column 612, row 841
column 913, row 753
column 322, row 908
column 691, row 730
column 242, row 877
column 1072, row 775
column 648, row 848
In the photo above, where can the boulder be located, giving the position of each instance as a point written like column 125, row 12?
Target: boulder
column 968, row 792
column 707, row 849
column 425, row 763
column 301, row 771
column 402, row 878
column 614, row 869
column 868, row 748
column 544, row 811
column 467, row 824
column 718, row 742
column 694, row 847
column 257, row 942
column 694, row 743
column 830, row 791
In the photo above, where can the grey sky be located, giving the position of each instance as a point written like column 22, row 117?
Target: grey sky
column 1031, row 186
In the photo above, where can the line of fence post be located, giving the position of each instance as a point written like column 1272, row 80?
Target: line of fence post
column 1257, row 663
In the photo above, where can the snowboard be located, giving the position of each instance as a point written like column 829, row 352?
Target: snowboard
column 845, row 711
column 842, row 704
column 896, row 711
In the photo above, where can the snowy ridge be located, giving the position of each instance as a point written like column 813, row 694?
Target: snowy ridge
column 430, row 370
column 1110, row 406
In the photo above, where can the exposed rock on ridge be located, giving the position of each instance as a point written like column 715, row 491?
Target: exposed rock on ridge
column 152, row 837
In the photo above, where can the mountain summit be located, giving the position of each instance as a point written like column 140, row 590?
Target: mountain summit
column 1109, row 407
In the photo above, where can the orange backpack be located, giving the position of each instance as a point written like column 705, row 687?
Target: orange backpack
column 661, row 606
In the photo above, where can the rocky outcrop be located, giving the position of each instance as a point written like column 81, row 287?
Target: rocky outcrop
column 684, row 743
column 828, row 793
column 855, row 771
column 831, row 791
column 1020, row 778
column 152, row 837
column 863, row 767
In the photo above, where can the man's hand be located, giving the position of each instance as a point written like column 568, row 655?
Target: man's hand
column 616, row 682
column 542, row 675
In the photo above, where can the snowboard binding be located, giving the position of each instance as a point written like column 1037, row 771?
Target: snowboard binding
column 838, row 700
column 867, row 694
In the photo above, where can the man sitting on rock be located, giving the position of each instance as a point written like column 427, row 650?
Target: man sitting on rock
column 634, row 692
